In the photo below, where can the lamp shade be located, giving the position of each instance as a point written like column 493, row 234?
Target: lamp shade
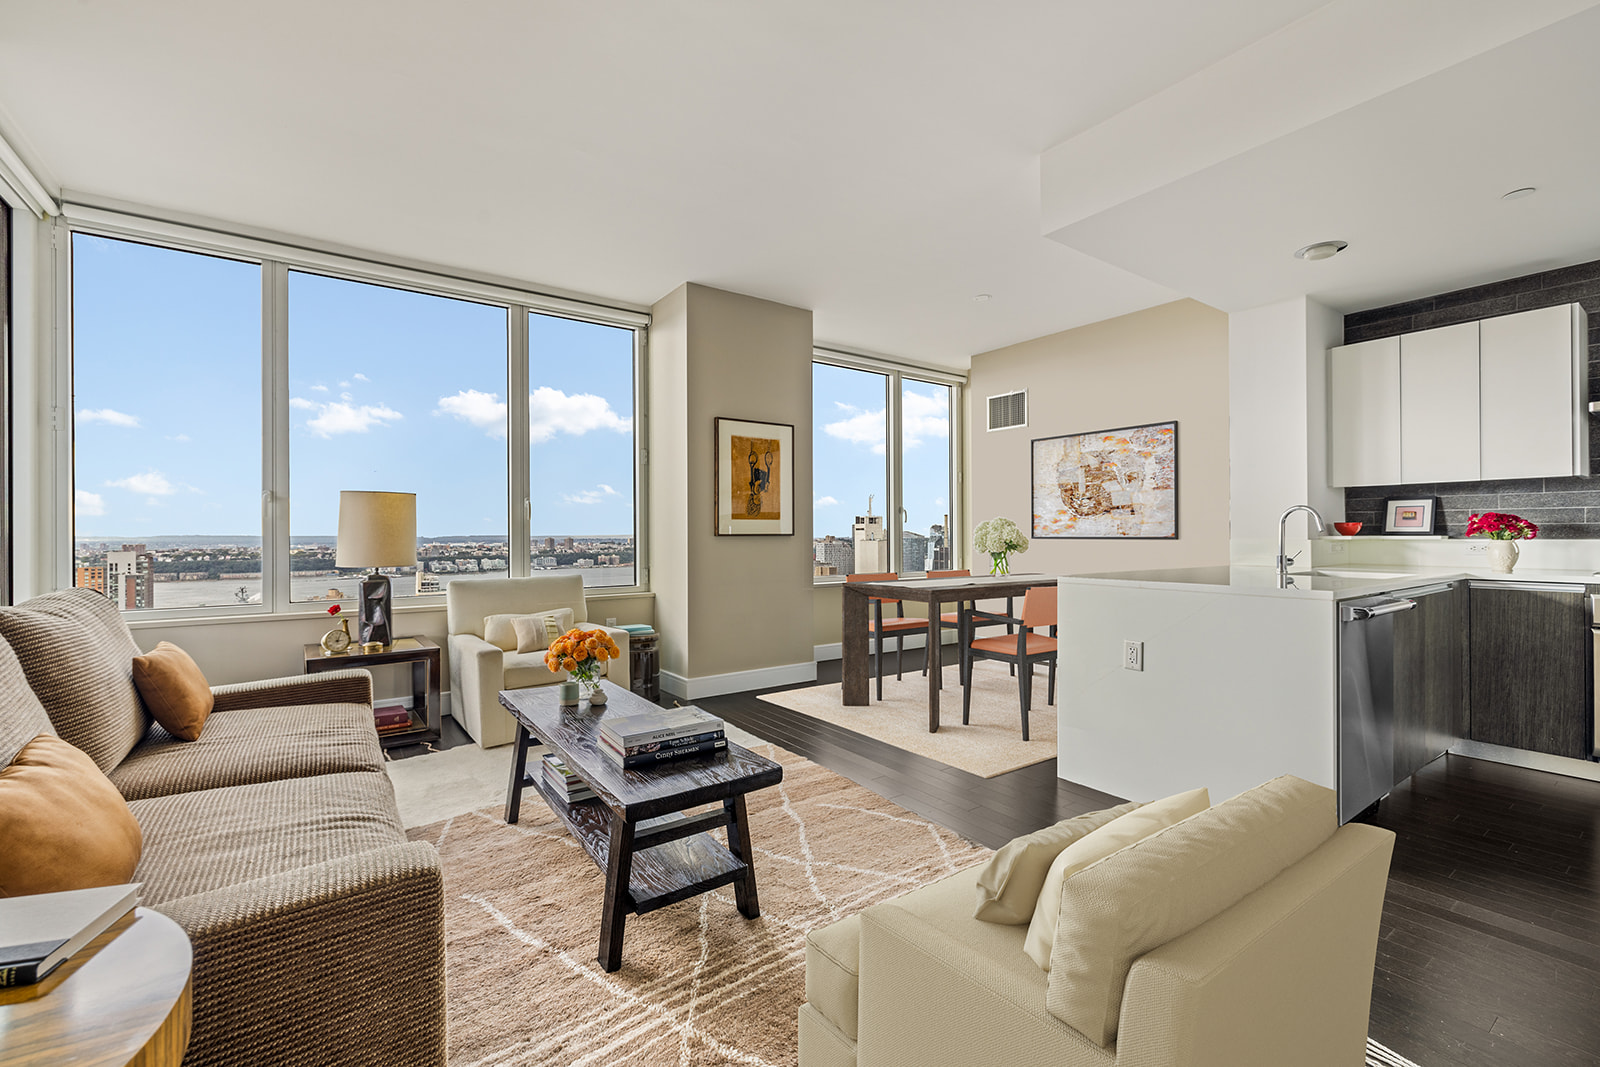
column 377, row 529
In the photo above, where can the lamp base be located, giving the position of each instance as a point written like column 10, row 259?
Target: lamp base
column 376, row 596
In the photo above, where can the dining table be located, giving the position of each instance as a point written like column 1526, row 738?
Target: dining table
column 934, row 592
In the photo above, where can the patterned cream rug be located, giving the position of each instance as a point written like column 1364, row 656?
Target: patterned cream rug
column 699, row 985
column 992, row 744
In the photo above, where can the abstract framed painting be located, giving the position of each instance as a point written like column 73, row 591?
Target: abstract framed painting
column 754, row 478
column 1113, row 484
column 1413, row 516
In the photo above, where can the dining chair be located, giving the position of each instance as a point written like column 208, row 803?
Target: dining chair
column 1021, row 651
column 897, row 627
column 952, row 619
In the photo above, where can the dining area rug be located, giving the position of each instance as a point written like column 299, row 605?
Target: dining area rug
column 991, row 744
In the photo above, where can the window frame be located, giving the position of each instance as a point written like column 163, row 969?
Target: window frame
column 276, row 258
column 895, row 372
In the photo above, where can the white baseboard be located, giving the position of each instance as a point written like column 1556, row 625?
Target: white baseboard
column 715, row 685
column 836, row 650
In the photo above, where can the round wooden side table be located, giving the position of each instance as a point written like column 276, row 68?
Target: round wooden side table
column 123, row 1000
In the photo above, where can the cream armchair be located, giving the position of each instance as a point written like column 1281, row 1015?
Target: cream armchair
column 480, row 670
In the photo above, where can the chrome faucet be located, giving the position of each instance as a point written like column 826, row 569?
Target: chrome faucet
column 1284, row 580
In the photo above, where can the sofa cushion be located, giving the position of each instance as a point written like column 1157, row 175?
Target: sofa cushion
column 173, row 689
column 1009, row 884
column 197, row 842
column 22, row 717
column 1093, row 847
column 833, row 972
column 501, row 630
column 78, row 656
column 533, row 631
column 62, row 825
column 1167, row 884
column 253, row 745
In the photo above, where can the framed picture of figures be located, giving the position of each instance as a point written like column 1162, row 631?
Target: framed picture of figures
column 755, row 478
column 1120, row 483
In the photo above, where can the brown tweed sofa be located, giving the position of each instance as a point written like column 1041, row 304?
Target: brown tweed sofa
column 273, row 840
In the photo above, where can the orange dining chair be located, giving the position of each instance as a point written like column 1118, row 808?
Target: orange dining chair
column 1021, row 651
column 952, row 619
column 897, row 627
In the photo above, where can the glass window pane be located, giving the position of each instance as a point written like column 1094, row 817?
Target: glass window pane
column 404, row 392
column 849, row 444
column 925, row 477
column 167, row 425
column 581, row 450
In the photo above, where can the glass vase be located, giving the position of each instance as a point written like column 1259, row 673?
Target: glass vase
column 1002, row 564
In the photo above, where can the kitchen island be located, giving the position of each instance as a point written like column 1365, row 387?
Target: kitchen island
column 1239, row 678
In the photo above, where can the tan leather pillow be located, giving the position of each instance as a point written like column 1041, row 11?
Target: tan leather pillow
column 501, row 630
column 1094, row 847
column 63, row 825
column 1166, row 885
column 173, row 689
column 1009, row 884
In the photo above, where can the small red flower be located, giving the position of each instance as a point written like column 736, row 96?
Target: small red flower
column 334, row 609
column 1501, row 526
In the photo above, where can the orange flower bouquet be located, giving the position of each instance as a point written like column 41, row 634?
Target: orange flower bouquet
column 580, row 653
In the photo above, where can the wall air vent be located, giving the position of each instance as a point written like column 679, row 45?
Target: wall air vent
column 1008, row 410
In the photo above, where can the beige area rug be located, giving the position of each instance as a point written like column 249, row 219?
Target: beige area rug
column 992, row 744
column 699, row 985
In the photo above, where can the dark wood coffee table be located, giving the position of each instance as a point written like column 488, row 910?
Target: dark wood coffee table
column 635, row 830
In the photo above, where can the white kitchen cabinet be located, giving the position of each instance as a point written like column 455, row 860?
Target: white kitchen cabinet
column 1533, row 369
column 1439, row 405
column 1364, row 413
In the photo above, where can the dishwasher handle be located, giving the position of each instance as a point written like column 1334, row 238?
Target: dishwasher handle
column 1360, row 613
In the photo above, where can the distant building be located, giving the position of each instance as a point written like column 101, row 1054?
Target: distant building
column 550, row 544
column 567, row 545
column 494, row 564
column 939, row 554
column 544, row 563
column 584, row 563
column 467, row 565
column 913, row 552
column 835, row 553
column 871, row 543
column 823, row 570
column 426, row 583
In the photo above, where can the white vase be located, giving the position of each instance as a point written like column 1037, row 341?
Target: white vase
column 1503, row 556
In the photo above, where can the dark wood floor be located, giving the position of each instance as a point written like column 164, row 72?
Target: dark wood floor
column 1490, row 946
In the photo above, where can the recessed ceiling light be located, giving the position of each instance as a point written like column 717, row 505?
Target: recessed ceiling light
column 1518, row 194
column 982, row 298
column 1321, row 250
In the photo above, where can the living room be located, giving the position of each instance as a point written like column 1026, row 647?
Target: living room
column 526, row 267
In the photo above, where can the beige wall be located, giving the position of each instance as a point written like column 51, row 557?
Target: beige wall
column 1164, row 363
column 726, row 605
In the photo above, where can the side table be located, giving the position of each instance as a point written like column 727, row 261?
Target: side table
column 424, row 657
column 124, row 999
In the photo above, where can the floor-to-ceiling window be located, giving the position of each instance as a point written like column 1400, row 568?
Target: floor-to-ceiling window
column 882, row 476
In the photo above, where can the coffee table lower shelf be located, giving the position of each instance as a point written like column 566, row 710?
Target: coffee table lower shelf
column 674, row 858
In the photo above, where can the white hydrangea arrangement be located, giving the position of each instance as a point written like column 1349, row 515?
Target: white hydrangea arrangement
column 999, row 538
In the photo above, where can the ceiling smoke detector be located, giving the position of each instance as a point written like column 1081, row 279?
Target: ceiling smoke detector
column 1321, row 250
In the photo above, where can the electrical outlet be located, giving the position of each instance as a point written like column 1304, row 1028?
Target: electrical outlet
column 1335, row 548
column 1133, row 655
column 1477, row 546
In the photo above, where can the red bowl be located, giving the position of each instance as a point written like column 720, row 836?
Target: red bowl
column 1348, row 529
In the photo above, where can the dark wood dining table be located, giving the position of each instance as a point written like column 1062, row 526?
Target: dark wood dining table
column 934, row 592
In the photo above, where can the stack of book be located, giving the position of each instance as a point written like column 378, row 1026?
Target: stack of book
column 565, row 783
column 392, row 718
column 655, row 737
column 39, row 932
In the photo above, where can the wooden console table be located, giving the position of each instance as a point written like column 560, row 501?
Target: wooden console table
column 426, row 669
column 635, row 830
column 934, row 592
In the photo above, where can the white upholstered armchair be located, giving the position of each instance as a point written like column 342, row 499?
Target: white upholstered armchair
column 483, row 656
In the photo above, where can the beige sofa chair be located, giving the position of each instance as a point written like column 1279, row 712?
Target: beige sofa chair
column 480, row 670
column 1282, row 976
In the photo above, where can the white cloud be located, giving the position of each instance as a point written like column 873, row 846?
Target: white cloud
column 483, row 410
column 319, row 388
column 337, row 416
column 344, row 385
column 823, row 502
column 346, row 396
column 921, row 417
column 109, row 417
column 590, row 496
column 859, row 428
column 360, row 377
column 181, row 438
column 89, row 504
column 550, row 411
column 150, row 483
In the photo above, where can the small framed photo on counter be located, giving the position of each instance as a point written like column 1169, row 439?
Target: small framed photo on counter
column 1408, row 516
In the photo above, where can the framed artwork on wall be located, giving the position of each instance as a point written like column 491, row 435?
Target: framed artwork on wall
column 1120, row 483
column 1408, row 516
column 754, row 478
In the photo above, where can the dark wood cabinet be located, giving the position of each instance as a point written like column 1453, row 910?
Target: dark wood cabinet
column 1430, row 692
column 1529, row 667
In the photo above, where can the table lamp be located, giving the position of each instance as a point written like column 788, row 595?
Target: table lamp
column 376, row 530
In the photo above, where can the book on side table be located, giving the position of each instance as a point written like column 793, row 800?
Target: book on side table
column 41, row 931
column 655, row 736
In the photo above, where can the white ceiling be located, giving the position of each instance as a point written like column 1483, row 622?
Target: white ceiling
column 877, row 162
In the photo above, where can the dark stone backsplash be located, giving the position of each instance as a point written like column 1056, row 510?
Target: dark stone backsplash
column 1562, row 507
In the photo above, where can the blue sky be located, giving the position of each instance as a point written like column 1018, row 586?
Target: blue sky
column 849, row 435
column 388, row 389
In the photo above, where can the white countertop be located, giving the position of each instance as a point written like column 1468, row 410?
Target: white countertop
column 1324, row 583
